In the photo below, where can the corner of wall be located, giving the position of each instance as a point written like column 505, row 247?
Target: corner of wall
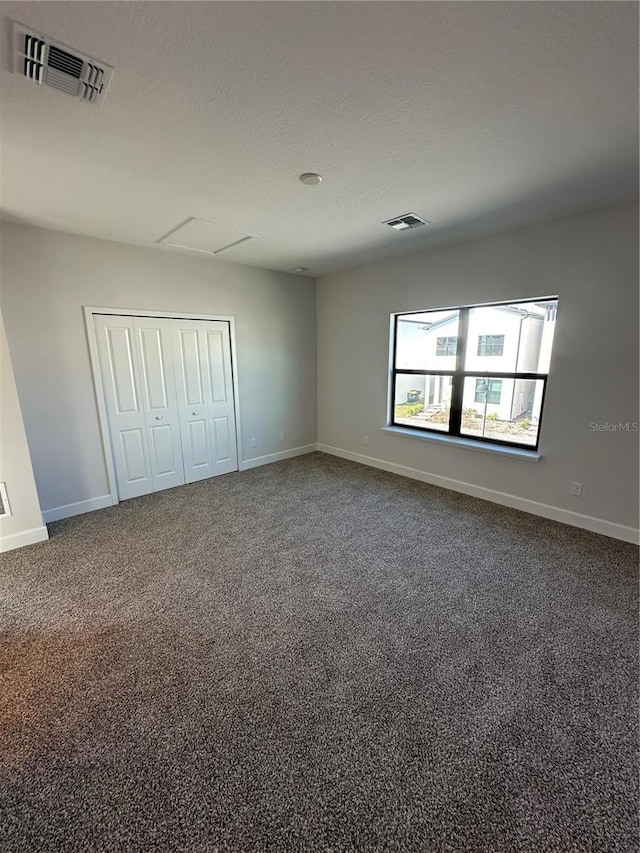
column 24, row 526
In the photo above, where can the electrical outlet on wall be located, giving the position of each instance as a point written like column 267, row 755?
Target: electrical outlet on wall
column 5, row 509
column 281, row 436
column 366, row 439
column 576, row 490
column 252, row 442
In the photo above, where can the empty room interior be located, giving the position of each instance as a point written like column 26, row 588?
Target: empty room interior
column 319, row 497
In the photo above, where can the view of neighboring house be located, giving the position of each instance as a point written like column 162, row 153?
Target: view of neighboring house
column 501, row 339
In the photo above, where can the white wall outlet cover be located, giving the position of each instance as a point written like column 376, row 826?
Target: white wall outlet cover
column 5, row 508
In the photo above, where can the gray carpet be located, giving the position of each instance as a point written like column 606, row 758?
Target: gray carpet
column 318, row 656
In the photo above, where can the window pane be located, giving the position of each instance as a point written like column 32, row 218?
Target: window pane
column 504, row 409
column 423, row 401
column 491, row 389
column 446, row 345
column 511, row 338
column 491, row 345
column 427, row 340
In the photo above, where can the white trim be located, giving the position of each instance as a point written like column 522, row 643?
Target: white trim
column 565, row 516
column 103, row 421
column 236, row 386
column 89, row 312
column 78, row 508
column 277, row 457
column 467, row 444
column 25, row 537
column 170, row 315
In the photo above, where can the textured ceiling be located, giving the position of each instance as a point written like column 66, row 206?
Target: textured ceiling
column 477, row 116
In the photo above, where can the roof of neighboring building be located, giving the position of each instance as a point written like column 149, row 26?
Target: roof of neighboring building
column 509, row 308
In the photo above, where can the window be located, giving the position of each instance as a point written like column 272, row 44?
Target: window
column 500, row 401
column 490, row 344
column 446, row 346
column 488, row 391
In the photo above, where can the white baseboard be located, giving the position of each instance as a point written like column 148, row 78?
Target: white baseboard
column 78, row 508
column 575, row 519
column 25, row 537
column 245, row 464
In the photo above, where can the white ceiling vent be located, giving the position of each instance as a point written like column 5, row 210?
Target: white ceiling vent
column 46, row 62
column 405, row 222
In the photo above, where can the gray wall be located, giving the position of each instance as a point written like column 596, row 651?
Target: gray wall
column 24, row 525
column 47, row 277
column 591, row 262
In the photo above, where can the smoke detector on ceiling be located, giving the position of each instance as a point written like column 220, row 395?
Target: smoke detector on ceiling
column 47, row 62
column 405, row 222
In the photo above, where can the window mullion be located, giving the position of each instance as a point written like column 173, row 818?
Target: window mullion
column 394, row 367
column 457, row 388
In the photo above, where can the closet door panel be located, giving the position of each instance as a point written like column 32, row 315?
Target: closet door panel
column 222, row 441
column 217, row 352
column 164, row 458
column 120, row 373
column 154, row 368
column 160, row 402
column 216, row 360
column 199, row 444
column 192, row 405
column 189, row 351
column 134, row 455
column 202, row 352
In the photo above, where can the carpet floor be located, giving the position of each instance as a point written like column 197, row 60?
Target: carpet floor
column 318, row 656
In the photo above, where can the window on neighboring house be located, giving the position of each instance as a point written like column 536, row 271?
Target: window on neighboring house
column 492, row 388
column 490, row 344
column 446, row 346
column 501, row 404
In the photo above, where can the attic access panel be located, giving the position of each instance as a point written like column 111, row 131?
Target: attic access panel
column 202, row 235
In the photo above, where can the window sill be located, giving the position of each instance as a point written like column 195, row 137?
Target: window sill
column 467, row 444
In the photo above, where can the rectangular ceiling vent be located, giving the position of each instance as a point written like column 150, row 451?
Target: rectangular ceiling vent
column 46, row 62
column 406, row 222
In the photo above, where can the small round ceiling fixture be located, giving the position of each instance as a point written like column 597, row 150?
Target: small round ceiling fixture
column 311, row 178
column 301, row 269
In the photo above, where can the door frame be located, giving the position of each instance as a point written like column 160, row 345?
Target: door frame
column 89, row 312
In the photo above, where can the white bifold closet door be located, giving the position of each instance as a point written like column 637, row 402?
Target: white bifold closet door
column 169, row 399
column 137, row 376
column 202, row 358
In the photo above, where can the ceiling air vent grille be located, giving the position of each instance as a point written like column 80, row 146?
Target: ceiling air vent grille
column 46, row 62
column 33, row 61
column 405, row 222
